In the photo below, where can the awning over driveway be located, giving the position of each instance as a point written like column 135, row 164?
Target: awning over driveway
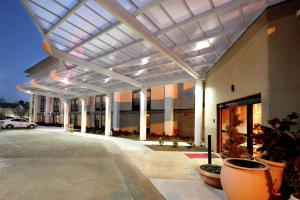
column 105, row 46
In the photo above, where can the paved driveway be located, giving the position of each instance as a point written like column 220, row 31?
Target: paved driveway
column 37, row 165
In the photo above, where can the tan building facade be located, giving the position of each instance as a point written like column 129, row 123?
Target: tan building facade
column 260, row 74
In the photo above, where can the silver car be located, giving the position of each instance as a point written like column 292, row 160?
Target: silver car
column 17, row 123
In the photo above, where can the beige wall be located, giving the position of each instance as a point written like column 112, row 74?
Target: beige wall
column 184, row 95
column 157, row 123
column 259, row 63
column 157, row 98
column 126, row 100
column 129, row 121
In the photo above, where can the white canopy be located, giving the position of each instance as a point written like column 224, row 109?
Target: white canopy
column 113, row 45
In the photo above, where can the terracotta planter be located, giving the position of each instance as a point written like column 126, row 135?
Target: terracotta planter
column 245, row 179
column 210, row 178
column 292, row 197
column 276, row 170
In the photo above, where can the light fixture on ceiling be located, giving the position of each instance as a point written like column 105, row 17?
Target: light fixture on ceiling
column 66, row 88
column 84, row 79
column 145, row 61
column 201, row 45
column 139, row 72
column 110, row 69
column 106, row 80
column 65, row 80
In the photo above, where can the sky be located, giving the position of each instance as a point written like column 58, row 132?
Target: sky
column 20, row 48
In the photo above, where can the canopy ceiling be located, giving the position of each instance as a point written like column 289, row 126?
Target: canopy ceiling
column 108, row 46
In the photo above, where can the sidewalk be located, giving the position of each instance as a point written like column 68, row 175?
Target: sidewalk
column 173, row 173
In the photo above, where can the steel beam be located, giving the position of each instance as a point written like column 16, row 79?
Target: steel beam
column 53, row 75
column 66, row 16
column 24, row 90
column 92, row 66
column 120, row 13
column 49, row 88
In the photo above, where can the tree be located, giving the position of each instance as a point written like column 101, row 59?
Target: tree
column 20, row 111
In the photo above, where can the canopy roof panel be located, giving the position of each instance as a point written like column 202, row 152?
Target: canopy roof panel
column 195, row 33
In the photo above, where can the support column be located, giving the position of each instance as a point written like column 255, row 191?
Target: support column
column 47, row 110
column 108, row 98
column 198, row 112
column 169, row 107
column 83, row 115
column 36, row 109
column 61, row 111
column 143, row 114
column 92, row 111
column 116, row 112
column 31, row 111
column 66, row 114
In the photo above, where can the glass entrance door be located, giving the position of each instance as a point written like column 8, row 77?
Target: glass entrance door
column 249, row 111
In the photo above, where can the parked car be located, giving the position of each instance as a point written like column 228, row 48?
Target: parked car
column 5, row 117
column 18, row 123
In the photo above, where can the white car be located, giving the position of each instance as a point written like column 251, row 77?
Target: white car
column 17, row 123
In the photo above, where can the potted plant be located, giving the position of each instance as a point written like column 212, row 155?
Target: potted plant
column 246, row 179
column 278, row 146
column 292, row 176
column 232, row 147
column 210, row 174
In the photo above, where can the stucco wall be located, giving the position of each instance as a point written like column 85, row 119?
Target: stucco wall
column 157, row 98
column 259, row 63
column 184, row 95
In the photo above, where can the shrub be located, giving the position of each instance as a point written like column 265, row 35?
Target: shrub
column 280, row 141
column 161, row 141
column 175, row 143
column 215, row 169
column 190, row 143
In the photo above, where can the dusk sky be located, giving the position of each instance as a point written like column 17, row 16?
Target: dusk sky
column 20, row 48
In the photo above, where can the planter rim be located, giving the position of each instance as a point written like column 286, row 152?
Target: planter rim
column 265, row 168
column 269, row 162
column 293, row 196
column 208, row 173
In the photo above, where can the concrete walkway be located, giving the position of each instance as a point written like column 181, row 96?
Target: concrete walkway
column 173, row 173
column 47, row 163
column 37, row 165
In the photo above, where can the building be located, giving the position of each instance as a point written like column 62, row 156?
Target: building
column 251, row 60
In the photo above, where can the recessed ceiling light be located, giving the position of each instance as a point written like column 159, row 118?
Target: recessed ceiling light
column 66, row 88
column 84, row 79
column 145, row 61
column 107, row 79
column 202, row 45
column 110, row 69
column 65, row 80
column 139, row 72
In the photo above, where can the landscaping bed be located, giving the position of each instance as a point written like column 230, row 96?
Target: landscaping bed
column 178, row 148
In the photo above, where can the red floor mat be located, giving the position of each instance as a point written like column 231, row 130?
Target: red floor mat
column 196, row 155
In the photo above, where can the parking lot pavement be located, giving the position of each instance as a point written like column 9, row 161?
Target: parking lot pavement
column 37, row 165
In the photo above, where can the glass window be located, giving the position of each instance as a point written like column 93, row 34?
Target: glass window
column 136, row 100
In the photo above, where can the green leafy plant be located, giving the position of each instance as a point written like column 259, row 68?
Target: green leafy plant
column 190, row 143
column 161, row 141
column 215, row 169
column 232, row 147
column 279, row 142
column 292, row 176
column 175, row 143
